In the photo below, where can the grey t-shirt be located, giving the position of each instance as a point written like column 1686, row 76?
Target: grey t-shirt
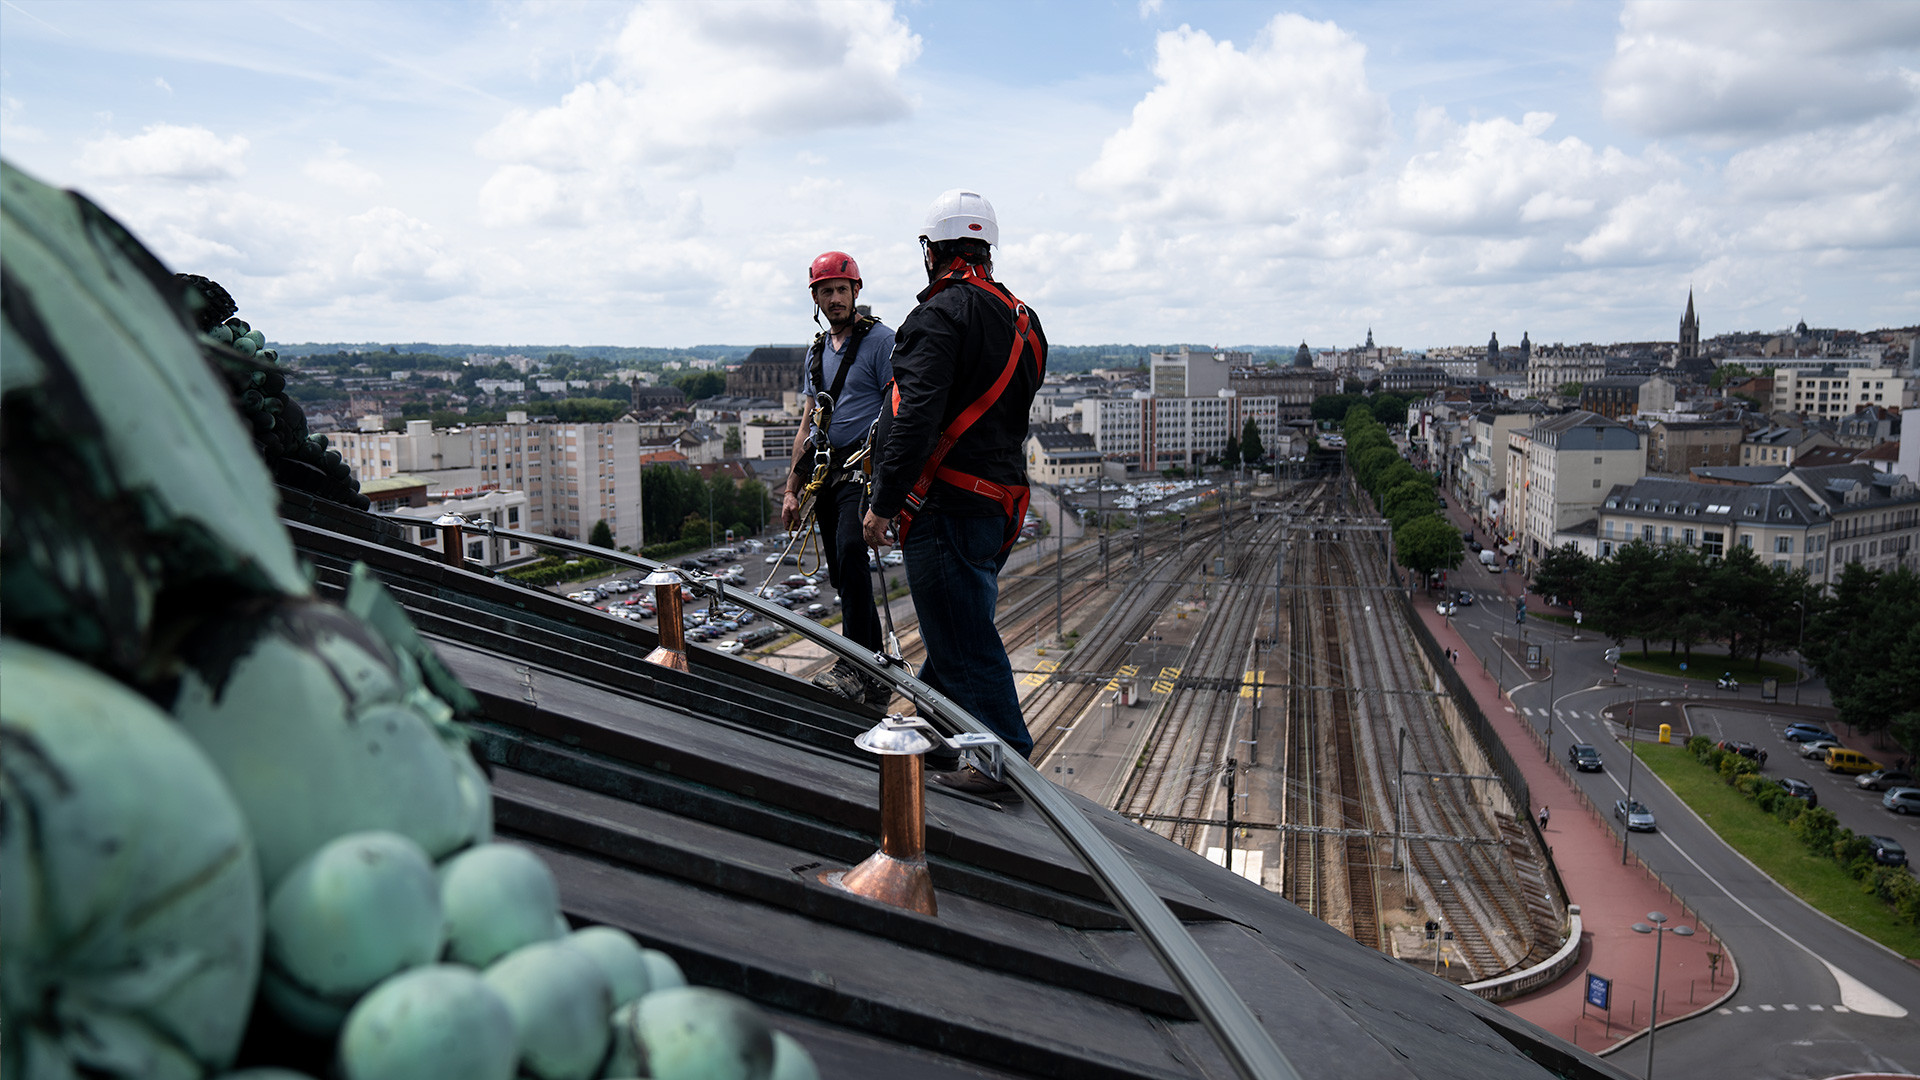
column 862, row 397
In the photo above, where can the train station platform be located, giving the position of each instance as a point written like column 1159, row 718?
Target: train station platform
column 1612, row 896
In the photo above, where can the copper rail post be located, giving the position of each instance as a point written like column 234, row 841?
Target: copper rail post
column 897, row 873
column 452, row 541
column 672, row 650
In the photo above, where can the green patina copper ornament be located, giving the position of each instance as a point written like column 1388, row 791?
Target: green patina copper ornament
column 130, row 921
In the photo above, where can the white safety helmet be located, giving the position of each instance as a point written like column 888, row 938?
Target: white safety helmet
column 961, row 215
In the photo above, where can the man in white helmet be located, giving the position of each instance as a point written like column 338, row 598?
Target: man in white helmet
column 950, row 473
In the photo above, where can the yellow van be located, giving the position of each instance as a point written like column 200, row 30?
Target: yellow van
column 1841, row 759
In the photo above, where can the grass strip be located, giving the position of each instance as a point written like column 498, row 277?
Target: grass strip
column 1706, row 667
column 1774, row 848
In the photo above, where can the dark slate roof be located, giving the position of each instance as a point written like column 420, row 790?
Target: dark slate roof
column 1667, row 497
column 1876, row 490
column 1741, row 474
column 695, row 810
column 1063, row 441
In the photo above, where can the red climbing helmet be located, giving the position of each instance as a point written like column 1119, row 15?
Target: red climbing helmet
column 833, row 264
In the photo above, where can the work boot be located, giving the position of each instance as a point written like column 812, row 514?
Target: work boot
column 879, row 691
column 842, row 679
column 971, row 781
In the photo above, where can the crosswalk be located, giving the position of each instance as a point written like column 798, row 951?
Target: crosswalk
column 1564, row 714
column 1730, row 1010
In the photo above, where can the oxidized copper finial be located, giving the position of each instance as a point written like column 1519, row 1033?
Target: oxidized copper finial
column 896, row 874
column 672, row 650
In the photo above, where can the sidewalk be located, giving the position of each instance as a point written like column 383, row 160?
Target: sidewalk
column 1612, row 896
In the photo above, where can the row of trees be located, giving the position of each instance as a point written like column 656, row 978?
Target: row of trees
column 1862, row 637
column 1678, row 595
column 1423, row 540
column 1333, row 408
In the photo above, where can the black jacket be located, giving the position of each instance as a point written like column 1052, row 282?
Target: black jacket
column 946, row 355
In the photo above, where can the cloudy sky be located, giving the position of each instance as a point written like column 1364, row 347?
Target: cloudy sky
column 661, row 173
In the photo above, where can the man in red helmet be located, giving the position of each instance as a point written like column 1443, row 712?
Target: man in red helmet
column 848, row 367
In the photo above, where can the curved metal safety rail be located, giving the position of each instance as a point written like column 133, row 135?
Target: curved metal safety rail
column 1240, row 1037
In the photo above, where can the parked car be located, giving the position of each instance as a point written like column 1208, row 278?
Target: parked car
column 731, row 647
column 1902, row 800
column 1465, row 599
column 1474, row 546
column 893, row 558
column 1744, row 749
column 1585, row 758
column 1882, row 779
column 1808, row 733
column 1842, row 760
column 1887, row 851
column 1817, row 749
column 815, row 611
column 1801, row 790
column 1637, row 817
column 1446, row 607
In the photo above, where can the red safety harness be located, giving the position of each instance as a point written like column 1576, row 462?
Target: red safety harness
column 1012, row 498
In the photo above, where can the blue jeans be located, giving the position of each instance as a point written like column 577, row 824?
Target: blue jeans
column 953, row 568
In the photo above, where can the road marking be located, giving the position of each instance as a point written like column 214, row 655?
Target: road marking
column 1791, row 1008
column 1744, row 1008
column 1817, row 1008
column 1855, row 995
column 1766, row 1008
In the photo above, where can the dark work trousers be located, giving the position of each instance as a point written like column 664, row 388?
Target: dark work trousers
column 840, row 507
column 953, row 568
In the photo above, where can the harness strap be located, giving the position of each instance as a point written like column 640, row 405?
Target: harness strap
column 1024, row 339
column 824, row 403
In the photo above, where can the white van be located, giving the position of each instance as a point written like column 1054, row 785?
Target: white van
column 1490, row 559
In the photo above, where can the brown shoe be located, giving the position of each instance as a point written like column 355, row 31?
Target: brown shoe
column 971, row 781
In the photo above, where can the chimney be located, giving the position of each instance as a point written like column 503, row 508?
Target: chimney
column 672, row 650
column 896, row 874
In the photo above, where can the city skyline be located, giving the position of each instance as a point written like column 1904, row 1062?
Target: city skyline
column 1164, row 171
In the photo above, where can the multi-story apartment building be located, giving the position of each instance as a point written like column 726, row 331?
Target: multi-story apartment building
column 1551, row 367
column 572, row 474
column 1875, row 515
column 1781, row 444
column 1565, row 466
column 1482, row 473
column 1780, row 523
column 1832, row 390
column 1675, row 447
column 1623, row 397
column 1056, row 455
column 1185, row 419
column 506, row 510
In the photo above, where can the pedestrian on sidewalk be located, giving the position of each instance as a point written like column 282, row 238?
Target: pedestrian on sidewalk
column 1544, row 815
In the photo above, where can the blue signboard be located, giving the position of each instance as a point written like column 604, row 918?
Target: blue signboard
column 1599, row 991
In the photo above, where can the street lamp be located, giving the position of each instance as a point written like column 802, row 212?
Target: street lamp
column 1659, row 929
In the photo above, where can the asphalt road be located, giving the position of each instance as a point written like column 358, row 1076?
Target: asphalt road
column 1815, row 999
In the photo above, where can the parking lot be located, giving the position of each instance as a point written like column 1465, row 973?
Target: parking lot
column 1857, row 809
column 743, row 566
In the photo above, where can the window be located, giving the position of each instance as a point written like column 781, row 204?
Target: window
column 513, row 516
column 477, row 550
column 1596, row 459
column 1711, row 544
column 1606, row 548
column 1746, row 541
column 1596, row 482
column 1686, row 537
column 1783, row 545
column 1666, row 534
column 1609, row 530
column 1646, row 533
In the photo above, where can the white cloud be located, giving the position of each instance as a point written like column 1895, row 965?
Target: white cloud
column 166, row 152
column 691, row 85
column 1150, row 8
column 162, row 84
column 1495, row 176
column 1258, row 134
column 334, row 170
column 11, row 129
column 1724, row 70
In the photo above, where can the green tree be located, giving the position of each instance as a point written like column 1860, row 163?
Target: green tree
column 732, row 445
column 602, row 534
column 1427, row 544
column 1570, row 389
column 1389, row 409
column 1564, row 573
column 699, row 385
column 1408, row 500
column 1685, row 598
column 1725, row 372
column 1251, row 448
column 1231, row 456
